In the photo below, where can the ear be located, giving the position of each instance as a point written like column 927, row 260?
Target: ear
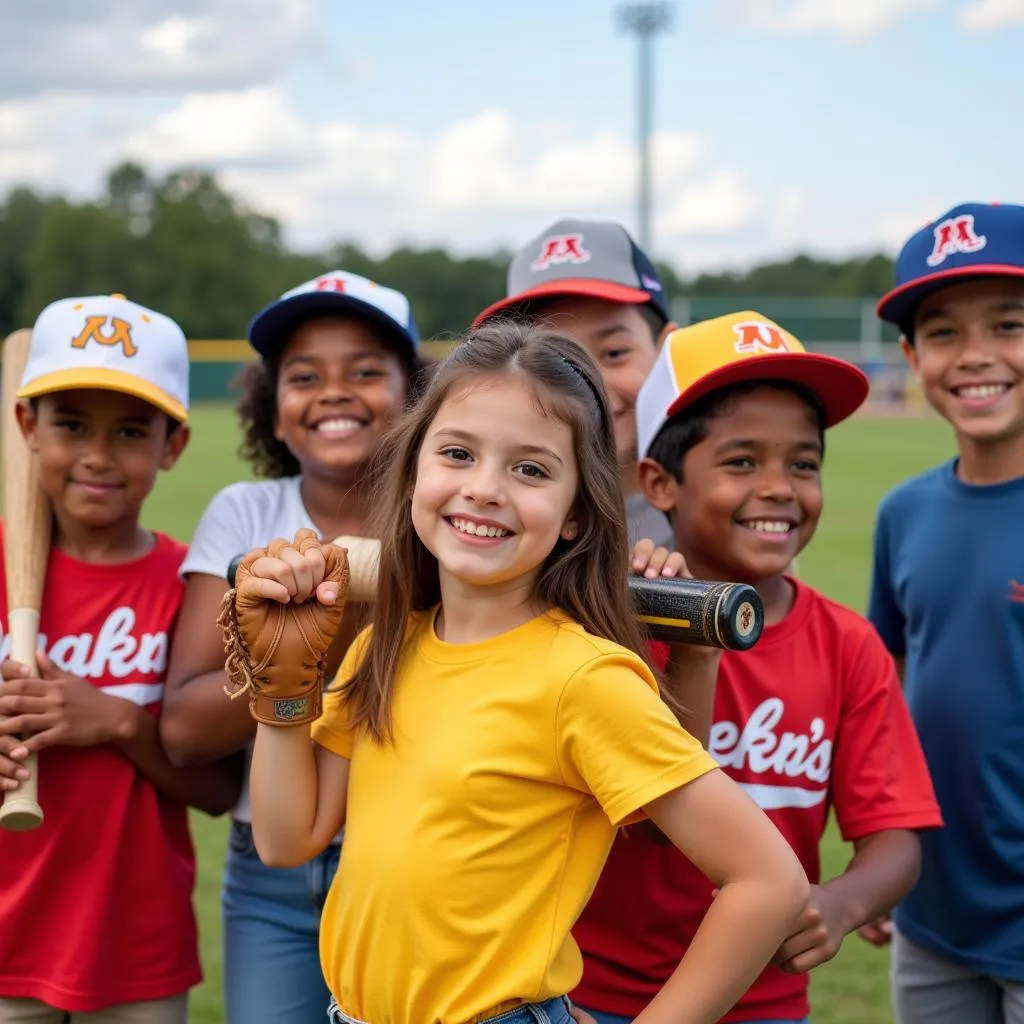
column 665, row 332
column 909, row 353
column 174, row 446
column 659, row 487
column 28, row 423
column 570, row 528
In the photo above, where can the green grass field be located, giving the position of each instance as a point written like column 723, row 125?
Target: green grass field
column 865, row 458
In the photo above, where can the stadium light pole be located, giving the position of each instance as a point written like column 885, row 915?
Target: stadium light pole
column 645, row 20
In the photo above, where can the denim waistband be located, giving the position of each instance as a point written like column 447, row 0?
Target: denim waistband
column 551, row 1011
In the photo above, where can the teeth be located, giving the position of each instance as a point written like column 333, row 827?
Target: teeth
column 981, row 390
column 477, row 529
column 768, row 526
column 336, row 426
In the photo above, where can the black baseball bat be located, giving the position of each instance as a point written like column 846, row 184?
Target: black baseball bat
column 712, row 614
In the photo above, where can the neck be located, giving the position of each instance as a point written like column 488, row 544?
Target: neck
column 630, row 479
column 336, row 506
column 776, row 592
column 471, row 613
column 994, row 462
column 122, row 541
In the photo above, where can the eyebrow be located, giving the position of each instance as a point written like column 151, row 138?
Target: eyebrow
column 749, row 443
column 1006, row 306
column 526, row 449
column 72, row 410
column 364, row 354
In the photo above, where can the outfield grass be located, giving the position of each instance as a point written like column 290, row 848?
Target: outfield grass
column 865, row 458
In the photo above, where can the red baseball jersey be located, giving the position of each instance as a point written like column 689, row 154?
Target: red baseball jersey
column 96, row 903
column 811, row 719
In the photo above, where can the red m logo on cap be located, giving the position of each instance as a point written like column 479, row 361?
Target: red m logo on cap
column 757, row 336
column 955, row 235
column 560, row 249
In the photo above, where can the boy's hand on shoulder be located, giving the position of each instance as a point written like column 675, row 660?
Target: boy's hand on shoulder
column 818, row 935
column 54, row 708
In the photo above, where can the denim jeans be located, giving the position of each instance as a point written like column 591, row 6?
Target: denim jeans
column 271, row 950
column 610, row 1018
column 551, row 1011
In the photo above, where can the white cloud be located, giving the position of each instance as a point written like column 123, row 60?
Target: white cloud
column 985, row 15
column 854, row 20
column 123, row 45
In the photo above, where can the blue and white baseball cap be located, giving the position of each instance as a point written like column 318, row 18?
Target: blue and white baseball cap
column 593, row 258
column 335, row 291
column 969, row 241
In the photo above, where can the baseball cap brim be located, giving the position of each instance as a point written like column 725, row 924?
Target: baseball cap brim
column 840, row 386
column 269, row 326
column 584, row 286
column 898, row 306
column 104, row 380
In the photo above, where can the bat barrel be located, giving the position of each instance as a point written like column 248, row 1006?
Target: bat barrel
column 712, row 614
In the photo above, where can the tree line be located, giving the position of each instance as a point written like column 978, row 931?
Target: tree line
column 184, row 245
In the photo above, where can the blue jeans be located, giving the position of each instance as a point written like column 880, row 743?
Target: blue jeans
column 551, row 1011
column 610, row 1018
column 271, row 919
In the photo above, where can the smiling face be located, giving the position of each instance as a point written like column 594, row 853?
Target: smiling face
column 621, row 342
column 968, row 354
column 496, row 479
column 750, row 495
column 99, row 453
column 339, row 386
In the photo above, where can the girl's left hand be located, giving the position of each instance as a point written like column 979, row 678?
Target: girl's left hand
column 651, row 561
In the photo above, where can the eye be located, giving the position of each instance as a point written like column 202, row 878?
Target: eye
column 72, row 426
column 299, row 378
column 133, row 432
column 369, row 373
column 806, row 466
column 531, row 469
column 455, row 453
column 740, row 462
column 1010, row 325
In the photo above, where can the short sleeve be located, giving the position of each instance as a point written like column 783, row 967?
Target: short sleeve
column 618, row 740
column 880, row 778
column 221, row 534
column 884, row 611
column 332, row 730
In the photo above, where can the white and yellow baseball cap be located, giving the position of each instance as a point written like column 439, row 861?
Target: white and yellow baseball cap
column 745, row 346
column 111, row 343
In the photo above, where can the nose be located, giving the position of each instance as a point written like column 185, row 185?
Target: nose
column 97, row 454
column 483, row 485
column 975, row 351
column 775, row 485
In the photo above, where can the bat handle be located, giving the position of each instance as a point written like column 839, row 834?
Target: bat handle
column 20, row 811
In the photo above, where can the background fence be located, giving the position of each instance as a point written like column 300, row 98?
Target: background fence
column 847, row 328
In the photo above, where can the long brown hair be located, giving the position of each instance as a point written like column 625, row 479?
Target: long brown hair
column 585, row 577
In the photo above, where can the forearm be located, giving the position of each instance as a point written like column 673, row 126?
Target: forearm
column 200, row 723
column 690, row 679
column 882, row 871
column 744, row 926
column 212, row 788
column 283, row 790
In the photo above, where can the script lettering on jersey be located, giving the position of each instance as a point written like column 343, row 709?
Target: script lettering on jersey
column 95, row 330
column 114, row 652
column 955, row 235
column 784, row 758
column 560, row 249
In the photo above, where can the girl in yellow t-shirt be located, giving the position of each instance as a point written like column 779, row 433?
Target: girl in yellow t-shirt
column 496, row 723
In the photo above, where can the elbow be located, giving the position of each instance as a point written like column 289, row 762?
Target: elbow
column 216, row 805
column 278, row 855
column 178, row 739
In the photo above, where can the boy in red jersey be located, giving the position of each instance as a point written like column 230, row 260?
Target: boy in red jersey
column 96, row 917
column 731, row 425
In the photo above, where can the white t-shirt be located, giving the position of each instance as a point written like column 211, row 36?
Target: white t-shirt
column 239, row 518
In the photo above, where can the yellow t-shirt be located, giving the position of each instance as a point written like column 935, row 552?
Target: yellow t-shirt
column 474, row 841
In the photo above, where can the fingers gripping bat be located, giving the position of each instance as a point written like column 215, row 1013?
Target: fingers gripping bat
column 712, row 614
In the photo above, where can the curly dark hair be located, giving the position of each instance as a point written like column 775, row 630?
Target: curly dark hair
column 270, row 458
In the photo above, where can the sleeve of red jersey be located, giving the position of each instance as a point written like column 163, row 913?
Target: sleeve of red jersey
column 880, row 779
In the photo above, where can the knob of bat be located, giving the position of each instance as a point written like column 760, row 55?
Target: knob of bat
column 233, row 568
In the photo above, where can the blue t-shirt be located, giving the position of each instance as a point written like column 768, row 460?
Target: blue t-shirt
column 948, row 595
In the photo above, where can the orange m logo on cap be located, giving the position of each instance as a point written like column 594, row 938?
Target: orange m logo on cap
column 120, row 334
column 753, row 336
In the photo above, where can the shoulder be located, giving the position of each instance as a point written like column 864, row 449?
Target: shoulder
column 579, row 656
column 905, row 498
column 256, row 495
column 843, row 630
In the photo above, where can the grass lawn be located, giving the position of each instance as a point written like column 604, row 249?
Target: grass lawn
column 865, row 458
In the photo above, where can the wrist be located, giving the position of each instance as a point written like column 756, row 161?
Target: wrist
column 125, row 724
column 848, row 914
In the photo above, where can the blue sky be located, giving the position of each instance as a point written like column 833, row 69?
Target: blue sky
column 834, row 126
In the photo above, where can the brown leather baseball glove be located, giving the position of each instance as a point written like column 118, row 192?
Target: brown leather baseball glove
column 277, row 653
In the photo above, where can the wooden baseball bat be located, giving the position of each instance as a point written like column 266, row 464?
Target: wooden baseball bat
column 704, row 612
column 27, row 527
